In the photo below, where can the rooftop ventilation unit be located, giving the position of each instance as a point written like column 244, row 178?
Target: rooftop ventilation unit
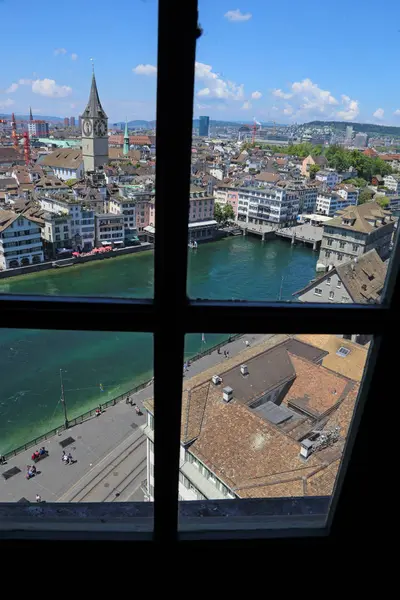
column 244, row 369
column 216, row 379
column 227, row 394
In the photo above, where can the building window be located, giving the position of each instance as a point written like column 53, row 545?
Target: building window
column 328, row 281
column 355, row 247
column 331, row 295
column 329, row 243
column 342, row 244
column 327, row 253
column 339, row 284
column 340, row 256
column 318, row 292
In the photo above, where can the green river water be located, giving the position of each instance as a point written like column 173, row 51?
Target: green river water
column 30, row 360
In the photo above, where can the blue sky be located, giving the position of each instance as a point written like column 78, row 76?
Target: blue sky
column 289, row 62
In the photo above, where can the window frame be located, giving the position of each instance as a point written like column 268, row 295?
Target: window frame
column 172, row 314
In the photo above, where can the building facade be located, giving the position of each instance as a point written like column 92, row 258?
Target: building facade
column 353, row 232
column 269, row 206
column 328, row 203
column 202, row 225
column 20, row 241
column 56, row 233
column 82, row 228
column 38, row 128
column 204, row 126
column 227, row 195
column 328, row 178
column 109, row 229
column 94, row 132
column 392, row 182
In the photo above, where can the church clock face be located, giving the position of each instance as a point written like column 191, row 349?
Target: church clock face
column 87, row 127
column 100, row 128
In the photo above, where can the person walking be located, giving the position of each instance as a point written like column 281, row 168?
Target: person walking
column 247, row 343
column 38, row 498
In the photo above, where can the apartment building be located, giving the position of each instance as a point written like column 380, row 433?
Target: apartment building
column 109, row 229
column 56, row 233
column 328, row 178
column 307, row 195
column 202, row 225
column 269, row 206
column 353, row 232
column 392, row 182
column 349, row 193
column 227, row 195
column 328, row 203
column 65, row 164
column 82, row 218
column 20, row 241
column 126, row 207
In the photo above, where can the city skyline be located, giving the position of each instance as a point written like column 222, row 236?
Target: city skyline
column 245, row 67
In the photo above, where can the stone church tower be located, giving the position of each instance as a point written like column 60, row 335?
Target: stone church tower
column 94, row 132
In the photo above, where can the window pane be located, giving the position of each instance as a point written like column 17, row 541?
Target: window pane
column 75, row 190
column 281, row 194
column 94, row 373
column 266, row 416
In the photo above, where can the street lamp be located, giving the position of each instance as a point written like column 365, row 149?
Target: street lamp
column 63, row 401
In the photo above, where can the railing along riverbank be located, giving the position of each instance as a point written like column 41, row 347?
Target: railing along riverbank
column 112, row 402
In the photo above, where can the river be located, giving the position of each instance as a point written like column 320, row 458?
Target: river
column 30, row 360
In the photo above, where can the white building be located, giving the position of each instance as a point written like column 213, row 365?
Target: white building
column 82, row 218
column 56, row 233
column 20, row 241
column 269, row 206
column 349, row 193
column 392, row 182
column 109, row 229
column 65, row 164
column 330, row 202
column 329, row 178
column 119, row 205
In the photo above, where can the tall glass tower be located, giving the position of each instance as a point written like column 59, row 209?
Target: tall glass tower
column 204, row 126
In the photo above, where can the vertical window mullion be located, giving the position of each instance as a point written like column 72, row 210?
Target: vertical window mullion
column 177, row 30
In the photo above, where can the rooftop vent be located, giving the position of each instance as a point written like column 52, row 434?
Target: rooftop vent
column 244, row 370
column 216, row 379
column 227, row 394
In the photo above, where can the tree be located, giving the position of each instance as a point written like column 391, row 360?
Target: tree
column 228, row 213
column 313, row 170
column 70, row 182
column 218, row 212
column 365, row 196
column 383, row 201
column 357, row 182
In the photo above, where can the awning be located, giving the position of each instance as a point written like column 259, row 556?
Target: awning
column 106, row 243
column 150, row 229
column 118, row 242
column 202, row 224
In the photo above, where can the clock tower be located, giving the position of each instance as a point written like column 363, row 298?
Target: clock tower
column 94, row 132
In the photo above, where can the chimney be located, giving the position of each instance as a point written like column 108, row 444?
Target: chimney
column 244, row 370
column 227, row 394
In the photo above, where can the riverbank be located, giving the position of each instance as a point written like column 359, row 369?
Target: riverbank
column 71, row 262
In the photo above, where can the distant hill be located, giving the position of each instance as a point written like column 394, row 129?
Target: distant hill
column 138, row 123
column 26, row 117
column 369, row 128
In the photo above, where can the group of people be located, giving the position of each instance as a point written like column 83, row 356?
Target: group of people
column 133, row 404
column 30, row 471
column 67, row 458
column 39, row 453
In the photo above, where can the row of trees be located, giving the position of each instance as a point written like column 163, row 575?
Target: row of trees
column 341, row 159
column 223, row 213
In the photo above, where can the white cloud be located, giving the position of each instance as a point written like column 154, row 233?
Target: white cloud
column 256, row 95
column 379, row 113
column 73, row 105
column 215, row 86
column 145, row 70
column 246, row 105
column 74, row 56
column 24, row 81
column 397, row 112
column 279, row 94
column 6, row 103
column 350, row 109
column 308, row 100
column 237, row 15
column 13, row 88
column 48, row 87
column 58, row 51
column 203, row 106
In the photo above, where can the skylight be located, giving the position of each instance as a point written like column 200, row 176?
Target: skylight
column 343, row 351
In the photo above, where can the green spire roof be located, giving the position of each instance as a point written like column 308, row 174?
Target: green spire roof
column 126, row 134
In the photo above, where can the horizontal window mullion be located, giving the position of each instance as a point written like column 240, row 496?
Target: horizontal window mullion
column 256, row 317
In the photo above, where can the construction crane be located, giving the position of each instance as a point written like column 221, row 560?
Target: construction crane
column 27, row 149
column 254, row 129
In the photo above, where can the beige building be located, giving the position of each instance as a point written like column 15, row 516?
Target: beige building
column 353, row 232
column 20, row 241
column 312, row 160
column 253, row 433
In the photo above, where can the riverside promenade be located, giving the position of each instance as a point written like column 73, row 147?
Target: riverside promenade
column 109, row 450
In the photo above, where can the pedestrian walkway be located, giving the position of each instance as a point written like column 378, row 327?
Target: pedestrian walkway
column 109, row 450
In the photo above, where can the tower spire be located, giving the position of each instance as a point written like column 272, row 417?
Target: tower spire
column 126, row 137
column 30, row 114
column 93, row 108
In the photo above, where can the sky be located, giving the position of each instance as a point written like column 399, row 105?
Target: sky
column 283, row 61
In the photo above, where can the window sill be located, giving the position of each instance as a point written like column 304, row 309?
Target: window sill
column 210, row 519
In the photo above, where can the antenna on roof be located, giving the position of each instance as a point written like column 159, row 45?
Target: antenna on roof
column 92, row 61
